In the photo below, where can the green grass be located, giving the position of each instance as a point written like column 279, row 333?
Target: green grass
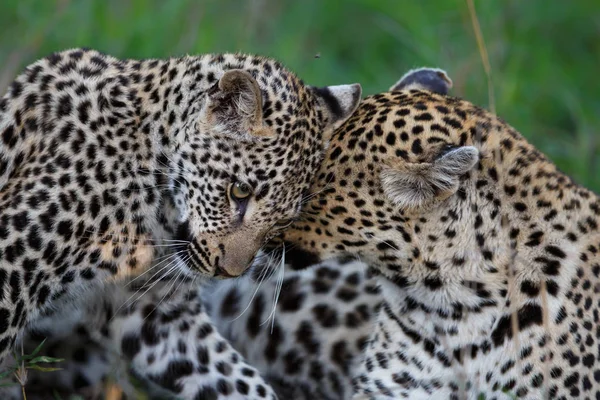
column 545, row 55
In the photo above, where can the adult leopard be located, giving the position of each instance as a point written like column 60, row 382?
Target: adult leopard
column 107, row 164
column 488, row 256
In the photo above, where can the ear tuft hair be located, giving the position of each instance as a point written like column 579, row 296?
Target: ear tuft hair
column 416, row 185
column 234, row 106
column 432, row 79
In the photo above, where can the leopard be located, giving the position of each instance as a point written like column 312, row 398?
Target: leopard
column 487, row 255
column 321, row 320
column 108, row 164
column 162, row 340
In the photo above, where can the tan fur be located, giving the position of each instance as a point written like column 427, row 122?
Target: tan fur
column 508, row 242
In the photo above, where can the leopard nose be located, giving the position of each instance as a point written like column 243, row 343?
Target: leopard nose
column 238, row 251
column 233, row 269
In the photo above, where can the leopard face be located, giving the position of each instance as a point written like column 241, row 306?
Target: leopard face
column 245, row 163
column 391, row 173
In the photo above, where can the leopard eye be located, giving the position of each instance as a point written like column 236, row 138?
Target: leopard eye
column 240, row 191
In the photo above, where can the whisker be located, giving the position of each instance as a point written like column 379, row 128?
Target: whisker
column 175, row 266
column 277, row 292
column 175, row 165
column 164, row 259
column 168, row 291
column 174, row 256
column 384, row 242
column 261, row 277
column 310, row 196
column 313, row 194
column 281, row 276
column 172, row 171
column 174, row 245
column 120, row 238
column 270, row 268
column 159, row 187
column 170, row 240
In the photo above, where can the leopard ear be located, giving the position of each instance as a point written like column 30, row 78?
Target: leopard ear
column 337, row 103
column 234, row 106
column 416, row 185
column 432, row 79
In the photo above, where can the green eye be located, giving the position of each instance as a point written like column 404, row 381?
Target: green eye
column 240, row 191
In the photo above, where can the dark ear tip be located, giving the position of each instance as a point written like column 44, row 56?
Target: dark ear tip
column 432, row 79
column 444, row 75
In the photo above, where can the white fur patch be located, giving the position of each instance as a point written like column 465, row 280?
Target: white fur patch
column 416, row 185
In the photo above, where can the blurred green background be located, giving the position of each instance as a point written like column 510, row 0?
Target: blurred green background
column 544, row 54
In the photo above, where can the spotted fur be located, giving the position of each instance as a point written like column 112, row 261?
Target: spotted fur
column 308, row 345
column 488, row 256
column 323, row 318
column 106, row 165
column 164, row 338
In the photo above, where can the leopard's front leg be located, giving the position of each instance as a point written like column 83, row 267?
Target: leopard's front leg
column 171, row 341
